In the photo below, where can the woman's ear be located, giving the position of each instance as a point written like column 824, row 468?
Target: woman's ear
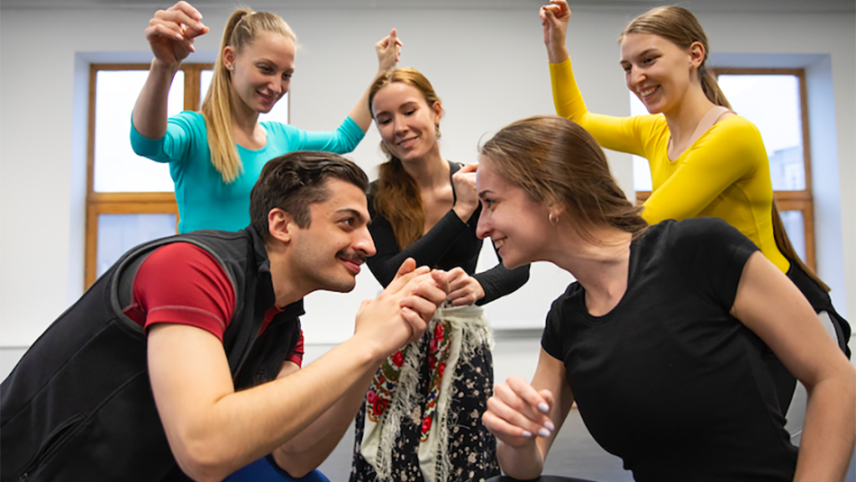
column 555, row 212
column 438, row 111
column 229, row 57
column 697, row 55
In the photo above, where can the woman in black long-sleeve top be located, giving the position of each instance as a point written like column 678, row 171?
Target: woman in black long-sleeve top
column 421, row 420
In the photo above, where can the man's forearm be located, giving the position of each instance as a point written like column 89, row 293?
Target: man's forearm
column 312, row 446
column 215, row 439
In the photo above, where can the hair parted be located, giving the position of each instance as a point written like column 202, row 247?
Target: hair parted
column 679, row 26
column 396, row 195
column 242, row 28
column 558, row 163
column 295, row 181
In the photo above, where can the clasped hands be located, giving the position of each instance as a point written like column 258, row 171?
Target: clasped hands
column 400, row 315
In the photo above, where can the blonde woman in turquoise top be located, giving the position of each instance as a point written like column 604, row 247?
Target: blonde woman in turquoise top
column 216, row 155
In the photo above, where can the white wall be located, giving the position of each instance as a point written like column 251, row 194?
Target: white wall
column 488, row 66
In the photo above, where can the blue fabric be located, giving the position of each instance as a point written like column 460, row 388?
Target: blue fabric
column 266, row 470
column 204, row 200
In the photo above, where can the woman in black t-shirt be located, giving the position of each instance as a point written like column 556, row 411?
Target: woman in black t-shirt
column 660, row 341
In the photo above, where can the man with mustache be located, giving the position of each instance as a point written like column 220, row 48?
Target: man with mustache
column 184, row 357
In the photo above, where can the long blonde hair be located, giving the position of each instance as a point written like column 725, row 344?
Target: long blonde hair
column 242, row 28
column 679, row 26
column 396, row 195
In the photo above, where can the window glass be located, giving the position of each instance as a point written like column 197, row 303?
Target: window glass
column 118, row 233
column 117, row 168
column 641, row 171
column 772, row 103
column 279, row 113
column 795, row 227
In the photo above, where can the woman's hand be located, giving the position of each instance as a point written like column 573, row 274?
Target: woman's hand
column 466, row 197
column 388, row 52
column 463, row 288
column 554, row 19
column 516, row 413
column 171, row 32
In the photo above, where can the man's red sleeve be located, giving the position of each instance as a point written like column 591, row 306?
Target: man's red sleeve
column 182, row 283
column 296, row 355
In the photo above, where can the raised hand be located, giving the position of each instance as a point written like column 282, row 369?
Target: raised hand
column 402, row 311
column 388, row 51
column 466, row 196
column 463, row 288
column 554, row 19
column 516, row 413
column 171, row 32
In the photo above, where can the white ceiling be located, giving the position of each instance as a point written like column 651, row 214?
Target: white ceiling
column 695, row 5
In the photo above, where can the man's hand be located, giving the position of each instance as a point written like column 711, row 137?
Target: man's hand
column 401, row 313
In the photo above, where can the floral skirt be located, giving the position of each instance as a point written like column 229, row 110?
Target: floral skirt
column 421, row 421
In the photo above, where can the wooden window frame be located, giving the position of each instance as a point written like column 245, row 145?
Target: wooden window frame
column 802, row 201
column 98, row 203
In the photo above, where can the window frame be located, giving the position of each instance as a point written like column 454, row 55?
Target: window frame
column 98, row 203
column 803, row 200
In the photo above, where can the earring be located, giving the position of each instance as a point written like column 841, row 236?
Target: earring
column 553, row 221
column 231, row 67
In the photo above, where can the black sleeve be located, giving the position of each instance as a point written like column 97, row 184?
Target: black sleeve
column 427, row 251
column 500, row 281
column 551, row 339
column 711, row 255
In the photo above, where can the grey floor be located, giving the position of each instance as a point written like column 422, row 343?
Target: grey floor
column 574, row 454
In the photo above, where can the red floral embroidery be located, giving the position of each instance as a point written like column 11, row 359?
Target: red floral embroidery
column 371, row 397
column 426, row 424
column 432, row 347
column 438, row 331
column 441, row 368
column 398, row 358
column 380, row 406
column 431, row 362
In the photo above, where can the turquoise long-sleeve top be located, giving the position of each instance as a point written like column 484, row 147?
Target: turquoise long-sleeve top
column 204, row 200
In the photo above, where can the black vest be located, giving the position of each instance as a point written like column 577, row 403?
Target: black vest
column 79, row 406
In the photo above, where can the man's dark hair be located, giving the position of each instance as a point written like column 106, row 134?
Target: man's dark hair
column 295, row 181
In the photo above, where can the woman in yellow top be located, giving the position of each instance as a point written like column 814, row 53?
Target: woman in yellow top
column 704, row 159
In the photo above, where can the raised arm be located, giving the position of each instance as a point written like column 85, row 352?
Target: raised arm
column 213, row 430
column 526, row 418
column 772, row 307
column 625, row 134
column 170, row 34
column 388, row 52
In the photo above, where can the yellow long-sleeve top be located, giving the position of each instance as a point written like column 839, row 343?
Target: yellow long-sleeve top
column 725, row 173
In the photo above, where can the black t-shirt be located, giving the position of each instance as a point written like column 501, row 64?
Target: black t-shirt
column 451, row 243
column 668, row 380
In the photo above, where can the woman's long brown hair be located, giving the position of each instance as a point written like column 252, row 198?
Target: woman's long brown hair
column 396, row 195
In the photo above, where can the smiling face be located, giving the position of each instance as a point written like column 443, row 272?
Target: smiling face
column 407, row 124
column 327, row 254
column 658, row 71
column 518, row 226
column 261, row 71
